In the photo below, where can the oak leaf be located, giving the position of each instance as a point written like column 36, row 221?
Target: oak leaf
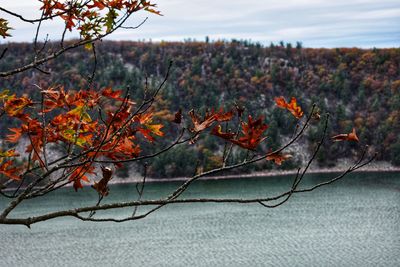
column 178, row 116
column 278, row 158
column 80, row 174
column 346, row 137
column 209, row 118
column 102, row 186
column 10, row 171
column 292, row 106
column 217, row 131
column 252, row 133
column 14, row 138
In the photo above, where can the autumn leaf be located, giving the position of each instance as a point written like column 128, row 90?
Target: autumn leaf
column 144, row 118
column 69, row 21
column 80, row 174
column 223, row 116
column 152, row 10
column 178, row 116
column 5, row 94
column 110, row 19
column 252, row 133
column 209, row 118
column 108, row 92
column 316, row 116
column 200, row 124
column 8, row 153
column 13, row 138
column 147, row 128
column 81, row 113
column 217, row 131
column 4, row 28
column 98, row 4
column 278, row 158
column 102, row 186
column 346, row 137
column 8, row 170
column 15, row 105
column 155, row 129
column 293, row 107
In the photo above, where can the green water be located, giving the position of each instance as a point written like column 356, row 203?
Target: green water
column 354, row 222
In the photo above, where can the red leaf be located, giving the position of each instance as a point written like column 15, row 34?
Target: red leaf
column 79, row 174
column 217, row 130
column 108, row 92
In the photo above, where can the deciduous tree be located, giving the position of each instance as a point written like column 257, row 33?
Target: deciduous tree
column 97, row 130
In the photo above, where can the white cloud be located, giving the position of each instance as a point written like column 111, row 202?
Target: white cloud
column 328, row 23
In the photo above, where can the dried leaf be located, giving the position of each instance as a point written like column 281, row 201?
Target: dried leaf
column 102, row 186
column 346, row 137
column 178, row 116
column 278, row 158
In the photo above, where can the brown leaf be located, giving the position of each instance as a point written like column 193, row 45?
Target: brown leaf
column 102, row 186
column 178, row 116
column 278, row 158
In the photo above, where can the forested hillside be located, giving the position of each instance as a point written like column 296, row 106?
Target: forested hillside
column 359, row 88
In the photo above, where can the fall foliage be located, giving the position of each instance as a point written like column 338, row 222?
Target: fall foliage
column 95, row 130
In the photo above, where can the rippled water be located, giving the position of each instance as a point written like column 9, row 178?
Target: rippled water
column 355, row 222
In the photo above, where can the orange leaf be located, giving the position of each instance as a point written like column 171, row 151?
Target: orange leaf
column 15, row 105
column 145, row 120
column 97, row 4
column 79, row 174
column 278, row 158
column 252, row 133
column 8, row 153
column 221, row 116
column 8, row 170
column 155, row 129
column 13, row 138
column 108, row 92
column 281, row 102
column 346, row 137
column 293, row 107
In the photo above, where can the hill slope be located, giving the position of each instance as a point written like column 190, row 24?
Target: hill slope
column 359, row 88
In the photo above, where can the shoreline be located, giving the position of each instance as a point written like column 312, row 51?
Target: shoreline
column 271, row 173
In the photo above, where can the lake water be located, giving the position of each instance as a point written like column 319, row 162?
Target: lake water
column 354, row 222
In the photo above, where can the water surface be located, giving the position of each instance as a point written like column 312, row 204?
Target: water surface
column 354, row 222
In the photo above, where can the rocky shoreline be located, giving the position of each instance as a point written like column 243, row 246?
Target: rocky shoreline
column 372, row 167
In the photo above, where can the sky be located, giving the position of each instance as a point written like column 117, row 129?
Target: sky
column 315, row 23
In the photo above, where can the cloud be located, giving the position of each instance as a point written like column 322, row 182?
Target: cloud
column 363, row 23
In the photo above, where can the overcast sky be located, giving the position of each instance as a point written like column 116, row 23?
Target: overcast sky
column 316, row 23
